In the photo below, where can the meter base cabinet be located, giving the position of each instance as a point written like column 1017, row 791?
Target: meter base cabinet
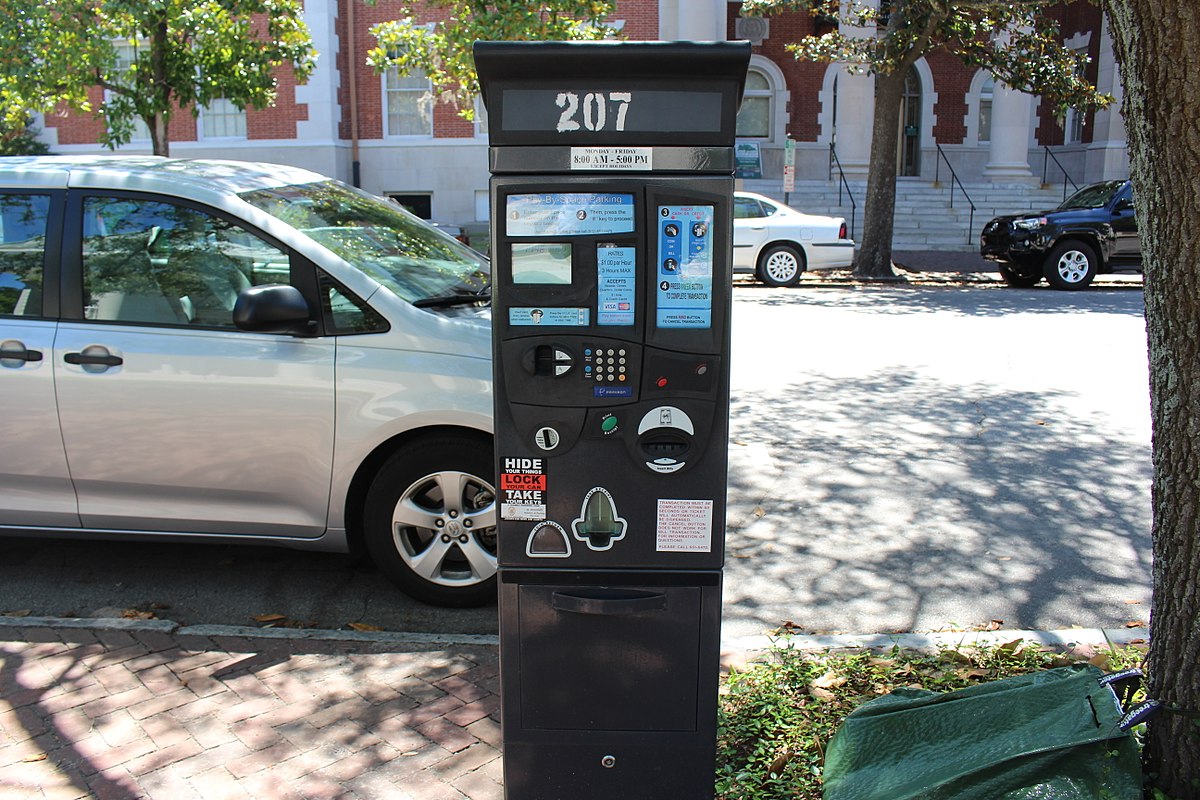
column 608, row 683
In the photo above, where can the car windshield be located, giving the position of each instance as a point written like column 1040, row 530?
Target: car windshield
column 401, row 251
column 1095, row 196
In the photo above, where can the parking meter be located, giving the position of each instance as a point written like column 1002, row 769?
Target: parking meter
column 611, row 207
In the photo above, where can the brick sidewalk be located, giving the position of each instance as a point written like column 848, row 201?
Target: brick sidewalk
column 142, row 713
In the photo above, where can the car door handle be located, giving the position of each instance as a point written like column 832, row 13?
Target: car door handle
column 87, row 358
column 24, row 354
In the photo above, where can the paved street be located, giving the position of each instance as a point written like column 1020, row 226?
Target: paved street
column 911, row 457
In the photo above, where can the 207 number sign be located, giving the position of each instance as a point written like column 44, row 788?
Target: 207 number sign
column 593, row 112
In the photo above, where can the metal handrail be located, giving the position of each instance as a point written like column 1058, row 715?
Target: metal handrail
column 954, row 180
column 833, row 161
column 1046, row 165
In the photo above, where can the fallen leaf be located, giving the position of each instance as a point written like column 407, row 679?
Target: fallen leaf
column 133, row 613
column 1004, row 558
column 995, row 625
column 1039, row 422
column 1099, row 660
column 759, row 512
column 1137, row 641
column 270, row 618
column 25, row 612
column 973, row 673
column 828, row 681
column 31, row 759
column 779, row 763
column 1133, row 602
column 1012, row 647
column 364, row 627
column 1133, row 623
column 881, row 662
column 821, row 694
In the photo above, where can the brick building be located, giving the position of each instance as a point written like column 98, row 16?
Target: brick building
column 387, row 133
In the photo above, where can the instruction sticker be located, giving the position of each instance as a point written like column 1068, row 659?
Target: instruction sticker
column 570, row 317
column 523, row 489
column 684, row 526
column 685, row 266
column 568, row 214
column 615, row 285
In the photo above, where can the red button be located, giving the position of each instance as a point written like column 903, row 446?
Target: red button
column 661, row 382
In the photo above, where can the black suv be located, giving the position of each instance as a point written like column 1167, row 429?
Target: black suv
column 1093, row 231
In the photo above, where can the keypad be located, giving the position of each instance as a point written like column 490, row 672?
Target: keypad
column 606, row 364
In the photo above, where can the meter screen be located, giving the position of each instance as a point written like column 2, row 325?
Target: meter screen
column 685, row 266
column 568, row 214
column 546, row 263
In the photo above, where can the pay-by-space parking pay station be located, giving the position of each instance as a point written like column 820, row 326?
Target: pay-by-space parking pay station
column 611, row 207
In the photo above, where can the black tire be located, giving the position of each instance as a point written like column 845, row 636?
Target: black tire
column 1071, row 265
column 1017, row 278
column 781, row 265
column 430, row 520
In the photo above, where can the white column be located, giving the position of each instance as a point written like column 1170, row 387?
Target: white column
column 855, row 120
column 1108, row 155
column 692, row 20
column 855, row 111
column 1008, row 156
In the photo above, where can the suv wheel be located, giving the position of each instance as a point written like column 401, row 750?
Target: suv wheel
column 1071, row 265
column 1017, row 278
column 430, row 521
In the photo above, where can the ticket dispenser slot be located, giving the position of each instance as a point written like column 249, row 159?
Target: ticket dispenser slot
column 611, row 207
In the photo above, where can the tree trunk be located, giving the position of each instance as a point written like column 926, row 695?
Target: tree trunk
column 160, row 140
column 1156, row 43
column 875, row 256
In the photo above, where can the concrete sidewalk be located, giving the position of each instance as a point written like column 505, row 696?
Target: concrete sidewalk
column 141, row 712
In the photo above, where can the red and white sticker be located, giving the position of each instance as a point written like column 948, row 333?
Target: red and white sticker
column 522, row 489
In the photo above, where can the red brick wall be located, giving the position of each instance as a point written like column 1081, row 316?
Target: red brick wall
column 804, row 78
column 278, row 121
column 952, row 82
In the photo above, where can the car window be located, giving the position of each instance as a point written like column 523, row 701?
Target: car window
column 345, row 312
column 407, row 255
column 157, row 262
column 22, row 253
column 747, row 208
column 1095, row 196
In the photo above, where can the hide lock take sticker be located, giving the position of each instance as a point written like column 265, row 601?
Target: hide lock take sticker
column 523, row 489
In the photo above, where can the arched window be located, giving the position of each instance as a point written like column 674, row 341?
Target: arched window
column 754, row 117
column 984, row 132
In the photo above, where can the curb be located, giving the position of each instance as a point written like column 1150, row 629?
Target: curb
column 1068, row 638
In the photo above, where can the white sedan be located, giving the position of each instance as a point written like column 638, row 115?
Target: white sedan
column 777, row 243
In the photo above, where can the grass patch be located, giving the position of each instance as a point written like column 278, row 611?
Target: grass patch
column 778, row 713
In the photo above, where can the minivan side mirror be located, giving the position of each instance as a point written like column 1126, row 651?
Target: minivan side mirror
column 272, row 308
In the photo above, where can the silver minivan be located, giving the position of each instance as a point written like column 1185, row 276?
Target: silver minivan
column 236, row 352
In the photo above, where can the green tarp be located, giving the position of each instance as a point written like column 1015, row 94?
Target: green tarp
column 1050, row 735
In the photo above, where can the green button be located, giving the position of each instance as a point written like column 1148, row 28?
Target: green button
column 608, row 424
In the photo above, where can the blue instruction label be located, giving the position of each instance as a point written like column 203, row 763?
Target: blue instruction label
column 685, row 266
column 616, row 285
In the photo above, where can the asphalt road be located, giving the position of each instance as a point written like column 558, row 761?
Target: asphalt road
column 902, row 458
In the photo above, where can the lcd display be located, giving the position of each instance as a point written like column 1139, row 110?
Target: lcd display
column 546, row 263
column 568, row 214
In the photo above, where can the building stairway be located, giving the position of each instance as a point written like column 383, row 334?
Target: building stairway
column 927, row 216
